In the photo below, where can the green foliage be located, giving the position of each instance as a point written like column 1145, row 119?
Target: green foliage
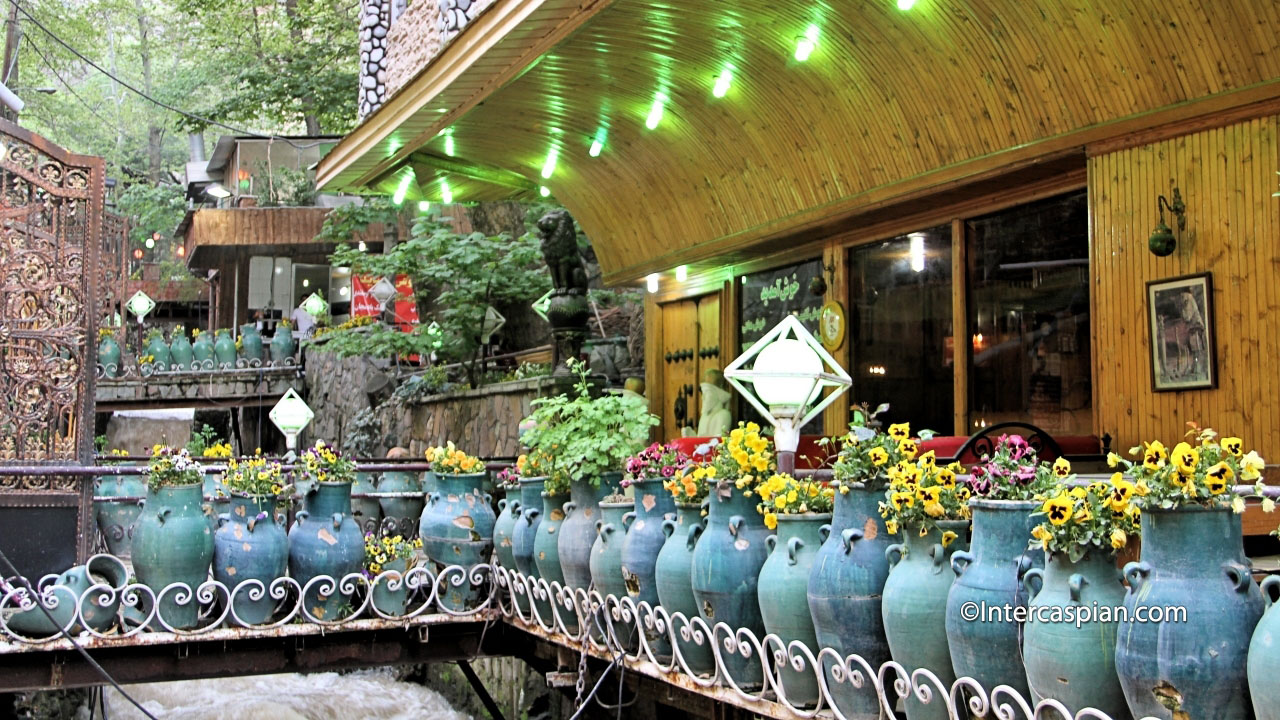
column 202, row 439
column 286, row 187
column 433, row 381
column 343, row 223
column 459, row 275
column 151, row 209
column 585, row 436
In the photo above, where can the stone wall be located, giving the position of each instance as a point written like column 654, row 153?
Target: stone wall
column 413, row 40
column 484, row 421
column 375, row 21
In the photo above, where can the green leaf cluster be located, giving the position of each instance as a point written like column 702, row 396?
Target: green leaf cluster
column 585, row 436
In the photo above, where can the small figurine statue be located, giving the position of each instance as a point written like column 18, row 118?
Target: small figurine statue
column 715, row 419
column 567, row 309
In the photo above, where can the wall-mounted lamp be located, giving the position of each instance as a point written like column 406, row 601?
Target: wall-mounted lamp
column 1162, row 242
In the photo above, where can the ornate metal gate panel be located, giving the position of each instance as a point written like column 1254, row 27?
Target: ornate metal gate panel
column 50, row 236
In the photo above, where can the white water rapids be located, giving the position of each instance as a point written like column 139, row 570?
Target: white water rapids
column 374, row 694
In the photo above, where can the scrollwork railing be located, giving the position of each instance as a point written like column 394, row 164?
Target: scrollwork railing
column 574, row 617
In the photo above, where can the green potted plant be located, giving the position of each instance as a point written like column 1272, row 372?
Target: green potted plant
column 588, row 440
column 1193, row 558
column 457, row 523
column 927, row 505
column 1082, row 530
column 250, row 544
column 158, row 349
column 387, row 561
column 171, row 541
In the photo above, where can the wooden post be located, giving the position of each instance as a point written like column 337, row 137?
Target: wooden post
column 835, row 419
column 961, row 346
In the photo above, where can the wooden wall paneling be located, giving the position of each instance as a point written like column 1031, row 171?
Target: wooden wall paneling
column 729, row 324
column 1226, row 175
column 960, row 344
column 835, row 256
column 708, row 341
column 654, row 367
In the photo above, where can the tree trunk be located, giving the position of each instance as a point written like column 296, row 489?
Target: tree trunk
column 308, row 103
column 155, row 133
column 12, row 36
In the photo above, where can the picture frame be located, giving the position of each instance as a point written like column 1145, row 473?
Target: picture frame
column 1184, row 350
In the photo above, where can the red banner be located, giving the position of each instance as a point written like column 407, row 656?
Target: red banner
column 406, row 308
column 362, row 301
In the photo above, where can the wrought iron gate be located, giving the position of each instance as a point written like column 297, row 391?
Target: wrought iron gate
column 50, row 236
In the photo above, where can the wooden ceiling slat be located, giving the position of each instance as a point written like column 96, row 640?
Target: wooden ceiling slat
column 888, row 100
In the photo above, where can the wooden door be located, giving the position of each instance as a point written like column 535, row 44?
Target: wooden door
column 679, row 366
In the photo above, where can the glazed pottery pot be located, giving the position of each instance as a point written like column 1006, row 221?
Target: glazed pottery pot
column 546, row 555
column 202, row 352
column 915, row 596
column 405, row 512
column 97, row 608
column 224, row 349
column 989, row 649
column 173, row 543
column 180, row 352
column 116, row 519
column 606, row 568
column 282, row 345
column 250, row 342
column 1192, row 558
column 158, row 349
column 784, row 581
column 523, row 535
column 672, row 573
column 504, row 529
column 640, row 549
column 325, row 541
column 725, row 570
column 109, row 356
column 215, row 494
column 457, row 529
column 578, row 532
column 250, row 545
column 1069, row 662
column 1264, row 656
column 390, row 593
column 366, row 511
column 844, row 592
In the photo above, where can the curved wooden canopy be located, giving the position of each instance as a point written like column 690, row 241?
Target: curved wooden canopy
column 890, row 102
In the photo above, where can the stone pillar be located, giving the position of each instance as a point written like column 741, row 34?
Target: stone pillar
column 375, row 22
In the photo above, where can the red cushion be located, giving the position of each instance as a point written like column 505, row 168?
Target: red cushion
column 809, row 455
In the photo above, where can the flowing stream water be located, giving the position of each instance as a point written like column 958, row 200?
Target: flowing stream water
column 374, row 694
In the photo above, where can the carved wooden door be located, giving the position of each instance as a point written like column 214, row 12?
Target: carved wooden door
column 50, row 234
column 690, row 345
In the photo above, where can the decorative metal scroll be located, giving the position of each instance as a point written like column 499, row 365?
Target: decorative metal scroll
column 606, row 626
column 112, row 265
column 50, row 230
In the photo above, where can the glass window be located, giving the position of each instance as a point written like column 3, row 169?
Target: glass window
column 900, row 328
column 1028, row 305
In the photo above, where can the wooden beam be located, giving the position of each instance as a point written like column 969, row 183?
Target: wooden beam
column 475, row 171
column 835, row 420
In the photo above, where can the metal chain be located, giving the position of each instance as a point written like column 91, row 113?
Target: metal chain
column 582, row 665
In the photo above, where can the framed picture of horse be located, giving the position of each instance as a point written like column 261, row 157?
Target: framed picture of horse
column 1183, row 347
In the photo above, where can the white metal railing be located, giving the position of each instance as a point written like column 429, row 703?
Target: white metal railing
column 589, row 621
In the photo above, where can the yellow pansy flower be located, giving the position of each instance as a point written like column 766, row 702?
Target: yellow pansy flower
column 900, row 431
column 878, row 456
column 1061, row 467
column 771, row 520
column 1185, row 458
column 1058, row 509
column 948, row 537
column 908, row 448
column 1118, row 538
column 1233, row 445
column 891, row 526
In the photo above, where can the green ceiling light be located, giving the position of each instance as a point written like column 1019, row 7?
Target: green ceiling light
column 905, row 5
column 807, row 43
column 446, row 195
column 403, row 188
column 424, row 206
column 656, row 110
column 597, row 143
column 544, row 191
column 448, row 144
column 549, row 166
column 721, row 88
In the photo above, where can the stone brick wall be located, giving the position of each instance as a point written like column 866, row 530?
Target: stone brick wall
column 483, row 422
column 413, row 40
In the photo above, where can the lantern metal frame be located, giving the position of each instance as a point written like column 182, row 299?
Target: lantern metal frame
column 784, row 418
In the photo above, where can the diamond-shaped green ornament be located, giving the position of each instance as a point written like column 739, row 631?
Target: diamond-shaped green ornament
column 140, row 305
column 315, row 305
column 542, row 304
